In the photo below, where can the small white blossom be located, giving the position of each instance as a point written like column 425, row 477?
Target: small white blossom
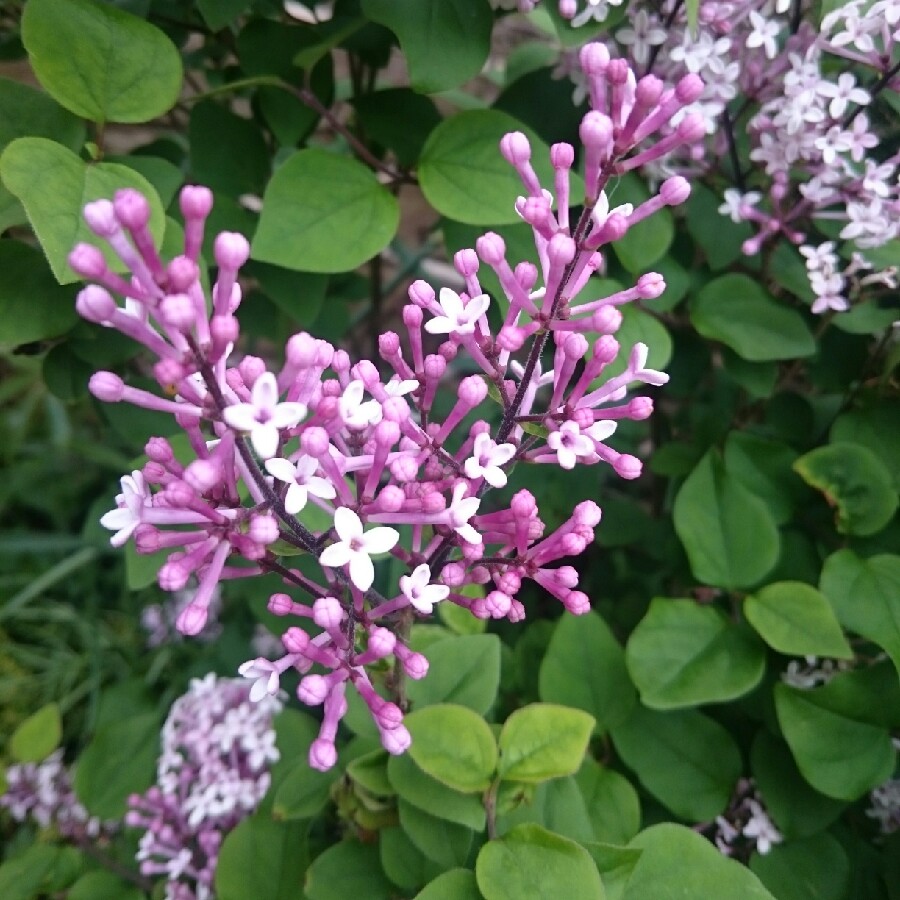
column 356, row 547
column 301, row 479
column 356, row 413
column 458, row 318
column 486, row 460
column 130, row 504
column 263, row 417
column 418, row 590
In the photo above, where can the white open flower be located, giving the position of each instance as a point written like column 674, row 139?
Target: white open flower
column 301, row 480
column 356, row 547
column 569, row 444
column 486, row 459
column 458, row 318
column 126, row 517
column 420, row 593
column 356, row 413
column 263, row 416
column 265, row 676
column 459, row 512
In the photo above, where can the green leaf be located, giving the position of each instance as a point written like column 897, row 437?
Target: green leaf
column 584, row 667
column 645, row 243
column 324, row 213
column 865, row 595
column 557, row 804
column 418, row 789
column 678, row 862
column 345, row 870
column 615, row 865
column 444, row 42
column 686, row 760
column 718, row 237
column 543, row 740
column 757, row 379
column 101, row 63
column 796, row 808
column 370, row 771
column 730, row 537
column 683, row 654
column 453, row 745
column 442, row 841
column 100, row 885
column 838, row 754
column 401, row 860
column 459, row 620
column 766, row 469
column 398, row 119
column 737, row 311
column 795, row 619
column 530, row 861
column 637, row 327
column 120, row 760
column 31, row 873
column 813, row 869
column 464, row 670
column 218, row 13
column 54, row 185
column 464, row 176
column 303, row 792
column 38, row 736
column 28, row 112
column 612, row 803
column 33, row 306
column 877, row 428
column 457, row 884
column 262, row 858
column 854, row 481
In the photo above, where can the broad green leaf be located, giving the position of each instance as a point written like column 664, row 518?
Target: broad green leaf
column 457, row 884
column 31, row 873
column 119, row 760
column 543, row 740
column 324, row 213
column 346, row 870
column 797, row 809
column 218, row 13
column 464, row 176
column 444, row 42
column 370, row 771
column 166, row 178
column 676, row 862
column 33, row 306
column 729, row 534
column 615, row 865
column 645, row 243
column 612, row 803
column 303, row 792
column 38, row 736
column 412, row 785
column 557, row 805
column 464, row 670
column 401, row 860
column 542, row 101
column 839, row 755
column 454, row 745
column 28, row 112
column 758, row 379
column 687, row 761
column 853, row 480
column 795, row 619
column 101, row 63
column 683, row 654
column 584, row 667
column 398, row 119
column 765, row 468
column 100, row 885
column 444, row 842
column 459, row 620
column 816, row 868
column 877, row 428
column 737, row 311
column 530, row 861
column 718, row 237
column 54, row 185
column 865, row 595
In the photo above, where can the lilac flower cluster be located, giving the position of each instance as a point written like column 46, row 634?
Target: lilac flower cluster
column 746, row 824
column 811, row 138
column 372, row 453
column 217, row 748
column 43, row 793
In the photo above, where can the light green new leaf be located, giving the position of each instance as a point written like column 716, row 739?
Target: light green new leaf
column 543, row 740
column 54, row 185
column 100, row 62
column 444, row 842
column 530, row 861
column 729, row 534
column 611, row 802
column 682, row 654
column 444, row 42
column 324, row 213
column 794, row 618
column 38, row 736
column 457, row 884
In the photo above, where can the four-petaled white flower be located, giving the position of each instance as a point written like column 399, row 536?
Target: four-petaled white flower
column 301, row 480
column 644, row 34
column 459, row 512
column 762, row 828
column 263, row 416
column 569, row 444
column 265, row 675
column 764, row 34
column 355, row 547
column 126, row 517
column 419, row 592
column 354, row 412
column 458, row 318
column 486, row 459
column 398, row 387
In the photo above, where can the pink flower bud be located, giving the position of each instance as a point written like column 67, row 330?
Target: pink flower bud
column 596, row 130
column 313, row 689
column 322, row 754
column 491, row 248
column 578, row 603
column 453, row 574
column 168, row 372
column 173, row 576
column 132, row 208
column 412, row 316
column 381, row 641
column 587, row 513
column 192, row 619
column 263, row 529
column 511, row 338
column 516, row 612
column 515, row 148
column 388, row 716
column 95, row 304
column 107, row 386
column 651, row 285
column 101, row 218
column 224, row 329
column 435, row 366
column 159, row 450
column 466, row 262
column 295, row 640
column 396, row 740
column 617, row 71
column 575, row 346
column 280, row 605
column 146, row 537
column 648, row 91
column 567, row 8
column 526, row 274
column 562, row 156
column 202, row 475
column 389, row 344
column 415, row 665
column 315, row 442
column 689, row 88
column 340, row 362
column 606, row 349
column 231, row 250
column 87, row 261
column 561, row 250
column 195, row 201
column 251, row 368
column 497, row 604
column 178, row 311
column 594, row 59
column 472, row 390
column 628, row 466
column 615, row 227
column 606, row 321
column 182, row 273
column 691, row 128
column 640, row 408
column 327, row 612
column 395, row 410
column 421, row 293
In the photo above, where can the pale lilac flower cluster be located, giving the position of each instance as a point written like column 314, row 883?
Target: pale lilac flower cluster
column 746, row 824
column 371, row 452
column 885, row 808
column 217, row 749
column 43, row 793
column 812, row 671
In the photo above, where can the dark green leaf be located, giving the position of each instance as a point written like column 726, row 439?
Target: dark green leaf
column 612, row 803
column 457, row 884
column 303, row 792
column 398, row 119
column 648, row 241
column 718, row 237
column 100, row 885
column 28, row 112
column 346, row 870
column 816, row 868
column 442, row 841
column 877, row 428
column 765, row 468
column 218, row 13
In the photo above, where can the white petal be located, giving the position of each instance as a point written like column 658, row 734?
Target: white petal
column 264, row 438
column 362, row 571
column 468, row 534
column 240, row 417
column 477, row 307
column 380, row 540
column 264, row 394
column 295, row 498
column 117, row 519
column 336, row 555
column 347, row 524
column 440, row 325
column 286, row 415
column 320, row 487
column 566, row 457
column 451, row 303
column 495, row 476
column 282, row 469
column 602, row 429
